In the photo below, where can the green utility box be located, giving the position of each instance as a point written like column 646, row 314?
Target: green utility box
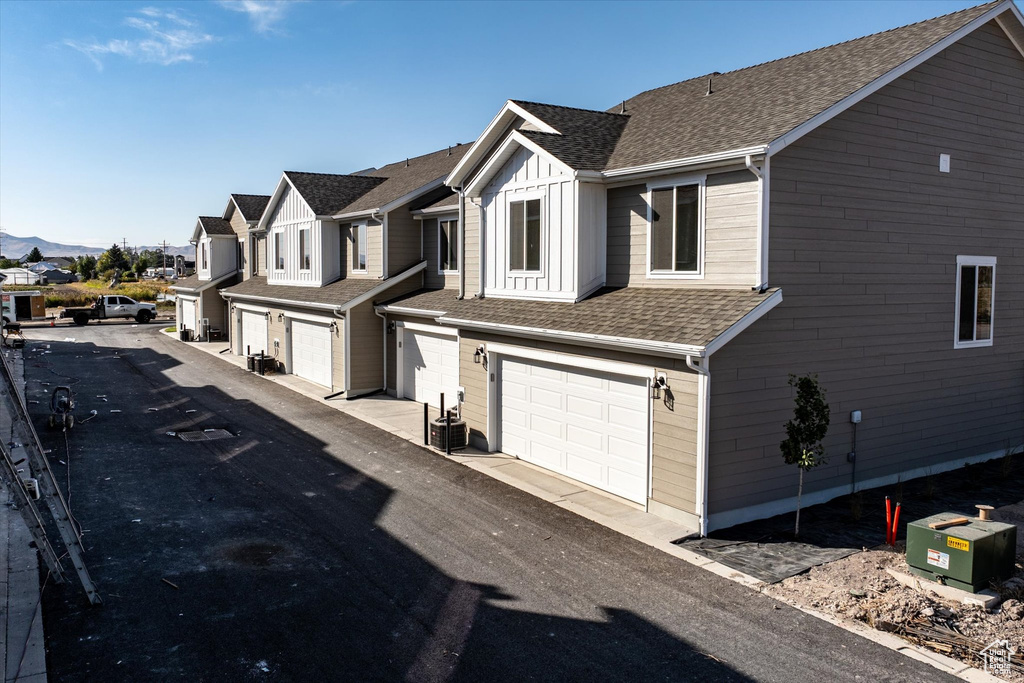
column 966, row 556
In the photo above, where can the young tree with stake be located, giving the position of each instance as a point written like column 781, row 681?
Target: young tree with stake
column 805, row 432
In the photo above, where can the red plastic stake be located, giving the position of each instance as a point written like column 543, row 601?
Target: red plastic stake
column 888, row 521
column 895, row 523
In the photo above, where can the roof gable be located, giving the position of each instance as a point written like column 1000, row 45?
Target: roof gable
column 211, row 226
column 251, row 206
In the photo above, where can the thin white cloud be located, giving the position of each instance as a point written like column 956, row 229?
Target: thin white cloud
column 264, row 14
column 167, row 38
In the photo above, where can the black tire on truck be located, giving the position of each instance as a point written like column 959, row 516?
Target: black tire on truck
column 81, row 318
column 143, row 317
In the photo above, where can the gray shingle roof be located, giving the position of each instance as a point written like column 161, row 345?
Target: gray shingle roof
column 404, row 177
column 335, row 294
column 678, row 316
column 747, row 108
column 251, row 206
column 450, row 200
column 192, row 284
column 587, row 138
column 329, row 193
column 215, row 225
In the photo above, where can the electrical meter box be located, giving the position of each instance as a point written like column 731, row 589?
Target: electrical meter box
column 966, row 556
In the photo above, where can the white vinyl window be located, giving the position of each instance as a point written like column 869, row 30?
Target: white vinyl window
column 279, row 250
column 204, row 255
column 448, row 245
column 524, row 235
column 975, row 301
column 675, row 232
column 359, row 247
column 304, row 248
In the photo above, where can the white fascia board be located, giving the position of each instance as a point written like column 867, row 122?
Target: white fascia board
column 429, row 329
column 1002, row 19
column 436, row 211
column 635, row 345
column 418, row 312
column 746, row 321
column 198, row 232
column 367, row 213
column 510, row 111
column 780, row 143
column 252, row 309
column 394, row 204
column 275, row 301
column 206, row 285
column 496, row 160
column 383, row 286
column 227, row 209
column 686, row 162
column 274, row 199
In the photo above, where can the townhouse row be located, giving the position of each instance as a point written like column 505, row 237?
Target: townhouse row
column 621, row 296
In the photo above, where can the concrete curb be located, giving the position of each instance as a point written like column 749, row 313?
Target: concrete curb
column 495, row 470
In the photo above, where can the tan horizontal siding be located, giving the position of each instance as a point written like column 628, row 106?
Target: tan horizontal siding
column 864, row 237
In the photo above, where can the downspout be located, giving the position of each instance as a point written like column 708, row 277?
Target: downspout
column 384, row 331
column 703, row 437
column 483, row 239
column 462, row 245
column 383, row 220
column 762, row 279
column 340, row 313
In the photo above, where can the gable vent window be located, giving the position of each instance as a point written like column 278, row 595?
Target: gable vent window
column 975, row 299
column 524, row 235
column 448, row 252
column 304, row 257
column 279, row 251
column 675, row 230
column 359, row 247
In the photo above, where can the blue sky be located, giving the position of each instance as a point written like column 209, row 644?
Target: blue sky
column 129, row 119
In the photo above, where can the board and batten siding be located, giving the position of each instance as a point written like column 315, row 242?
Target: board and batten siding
column 674, row 419
column 730, row 234
column 529, row 176
column 221, row 256
column 865, row 232
column 290, row 216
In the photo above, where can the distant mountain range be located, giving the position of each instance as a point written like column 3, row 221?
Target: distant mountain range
column 16, row 247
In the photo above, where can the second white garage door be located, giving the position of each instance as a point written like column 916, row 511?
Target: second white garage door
column 254, row 332
column 430, row 366
column 311, row 351
column 188, row 313
column 590, row 426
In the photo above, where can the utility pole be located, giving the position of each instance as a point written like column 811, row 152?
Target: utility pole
column 164, row 251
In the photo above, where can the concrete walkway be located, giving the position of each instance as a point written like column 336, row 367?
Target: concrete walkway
column 21, row 623
column 404, row 418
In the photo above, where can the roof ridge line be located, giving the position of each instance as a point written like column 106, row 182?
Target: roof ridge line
column 818, row 49
column 563, row 106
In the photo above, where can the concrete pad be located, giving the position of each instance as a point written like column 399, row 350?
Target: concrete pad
column 598, row 502
column 986, row 599
column 528, row 475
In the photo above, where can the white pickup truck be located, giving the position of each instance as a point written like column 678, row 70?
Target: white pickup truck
column 111, row 306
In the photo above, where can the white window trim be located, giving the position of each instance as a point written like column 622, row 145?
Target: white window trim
column 278, row 257
column 309, row 247
column 440, row 219
column 360, row 237
column 974, row 261
column 511, row 198
column 701, row 182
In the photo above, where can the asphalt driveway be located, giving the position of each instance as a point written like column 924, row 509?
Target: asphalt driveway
column 311, row 546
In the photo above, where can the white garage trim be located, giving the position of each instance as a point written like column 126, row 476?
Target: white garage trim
column 447, row 333
column 429, row 329
column 187, row 321
column 252, row 309
column 262, row 322
column 599, row 364
column 309, row 317
column 306, row 353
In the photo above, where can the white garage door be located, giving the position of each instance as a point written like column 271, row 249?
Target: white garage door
column 430, row 366
column 590, row 426
column 311, row 351
column 188, row 313
column 254, row 332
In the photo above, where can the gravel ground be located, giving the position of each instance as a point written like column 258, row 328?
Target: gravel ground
column 859, row 588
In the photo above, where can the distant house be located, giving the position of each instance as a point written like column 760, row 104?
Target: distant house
column 21, row 276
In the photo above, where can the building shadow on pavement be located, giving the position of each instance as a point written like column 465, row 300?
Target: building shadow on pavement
column 262, row 556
